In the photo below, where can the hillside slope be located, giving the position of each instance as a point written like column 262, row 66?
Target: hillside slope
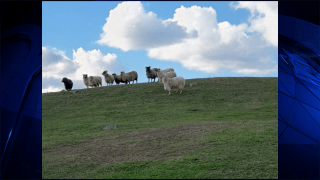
column 240, row 110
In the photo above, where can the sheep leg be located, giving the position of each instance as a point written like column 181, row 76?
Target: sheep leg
column 169, row 92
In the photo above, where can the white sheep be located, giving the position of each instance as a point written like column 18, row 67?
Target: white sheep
column 170, row 74
column 95, row 80
column 124, row 77
column 107, row 77
column 160, row 74
column 86, row 81
column 152, row 74
column 176, row 83
column 130, row 76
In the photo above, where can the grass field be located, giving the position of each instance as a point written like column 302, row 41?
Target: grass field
column 222, row 128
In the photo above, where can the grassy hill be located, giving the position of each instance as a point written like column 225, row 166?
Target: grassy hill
column 221, row 128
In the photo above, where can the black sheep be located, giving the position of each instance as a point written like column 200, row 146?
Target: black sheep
column 67, row 83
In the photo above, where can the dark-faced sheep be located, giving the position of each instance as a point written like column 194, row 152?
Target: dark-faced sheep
column 151, row 74
column 67, row 83
column 107, row 77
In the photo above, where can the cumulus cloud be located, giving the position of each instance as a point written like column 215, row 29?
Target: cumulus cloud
column 129, row 27
column 264, row 18
column 94, row 62
column 198, row 41
column 56, row 65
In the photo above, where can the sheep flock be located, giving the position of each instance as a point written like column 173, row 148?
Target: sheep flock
column 167, row 77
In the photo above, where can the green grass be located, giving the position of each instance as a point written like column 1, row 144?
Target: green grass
column 222, row 128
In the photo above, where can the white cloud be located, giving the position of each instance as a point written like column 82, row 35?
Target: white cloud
column 264, row 18
column 203, row 44
column 56, row 65
column 129, row 27
column 94, row 62
column 229, row 32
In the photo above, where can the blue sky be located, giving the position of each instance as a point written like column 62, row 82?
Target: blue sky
column 197, row 39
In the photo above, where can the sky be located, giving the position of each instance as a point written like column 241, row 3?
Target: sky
column 196, row 39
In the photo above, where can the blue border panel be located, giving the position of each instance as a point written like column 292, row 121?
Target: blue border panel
column 299, row 90
column 20, row 93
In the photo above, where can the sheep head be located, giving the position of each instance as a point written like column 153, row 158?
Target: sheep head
column 148, row 68
column 85, row 75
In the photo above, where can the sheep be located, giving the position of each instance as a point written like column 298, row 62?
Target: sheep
column 124, row 77
column 151, row 74
column 95, row 80
column 107, row 77
column 117, row 79
column 176, row 83
column 67, row 83
column 160, row 73
column 133, row 75
column 86, row 81
column 130, row 76
column 156, row 69
column 127, row 77
column 170, row 74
